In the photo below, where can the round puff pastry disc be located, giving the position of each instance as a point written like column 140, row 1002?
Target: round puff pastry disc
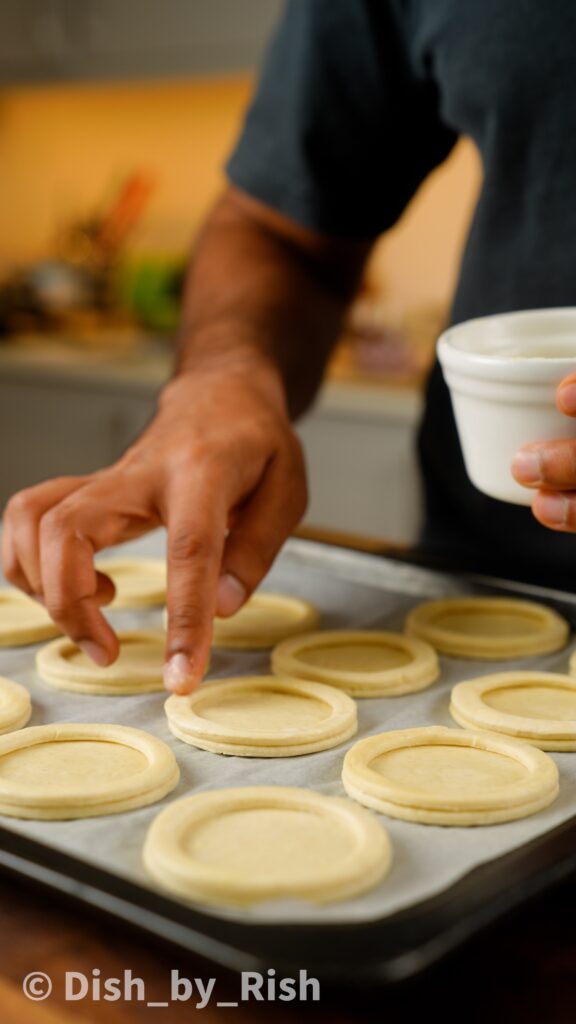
column 264, row 620
column 82, row 771
column 493, row 628
column 23, row 620
column 235, row 847
column 363, row 664
column 538, row 707
column 440, row 776
column 263, row 716
column 138, row 668
column 15, row 705
column 139, row 582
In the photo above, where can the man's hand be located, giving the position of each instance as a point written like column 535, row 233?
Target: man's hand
column 550, row 467
column 219, row 466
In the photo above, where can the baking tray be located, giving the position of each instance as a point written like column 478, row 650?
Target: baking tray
column 373, row 949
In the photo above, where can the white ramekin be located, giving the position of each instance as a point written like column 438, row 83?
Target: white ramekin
column 502, row 372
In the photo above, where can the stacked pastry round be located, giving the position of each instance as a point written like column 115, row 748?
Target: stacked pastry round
column 139, row 582
column 138, row 668
column 263, row 716
column 362, row 663
column 439, row 776
column 23, row 620
column 264, row 620
column 538, row 707
column 82, row 771
column 491, row 628
column 241, row 846
column 15, row 705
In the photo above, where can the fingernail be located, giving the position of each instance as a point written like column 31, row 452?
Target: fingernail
column 179, row 674
column 95, row 652
column 527, row 467
column 231, row 594
column 567, row 399
column 553, row 509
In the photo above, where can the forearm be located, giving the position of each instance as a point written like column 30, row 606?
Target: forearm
column 260, row 288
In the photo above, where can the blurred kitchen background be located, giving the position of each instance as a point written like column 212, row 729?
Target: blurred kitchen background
column 116, row 117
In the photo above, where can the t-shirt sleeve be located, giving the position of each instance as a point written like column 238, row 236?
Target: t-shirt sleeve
column 341, row 131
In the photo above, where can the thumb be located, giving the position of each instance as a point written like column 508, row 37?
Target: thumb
column 566, row 395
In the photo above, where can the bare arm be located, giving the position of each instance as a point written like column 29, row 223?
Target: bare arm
column 219, row 464
column 262, row 284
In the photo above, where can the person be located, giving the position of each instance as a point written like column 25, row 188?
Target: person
column 357, row 103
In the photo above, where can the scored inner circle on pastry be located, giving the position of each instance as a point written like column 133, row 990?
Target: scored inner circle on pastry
column 365, row 663
column 439, row 776
column 139, row 582
column 76, row 770
column 538, row 707
column 138, row 668
column 235, row 847
column 23, row 620
column 15, row 705
column 263, row 716
column 488, row 627
column 264, row 620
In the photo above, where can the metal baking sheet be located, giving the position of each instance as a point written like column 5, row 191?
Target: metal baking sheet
column 353, row 591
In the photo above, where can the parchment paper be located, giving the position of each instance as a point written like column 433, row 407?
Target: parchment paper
column 352, row 591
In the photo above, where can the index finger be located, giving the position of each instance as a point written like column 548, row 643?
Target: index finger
column 196, row 536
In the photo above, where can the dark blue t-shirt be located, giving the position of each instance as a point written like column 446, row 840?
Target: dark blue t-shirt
column 358, row 101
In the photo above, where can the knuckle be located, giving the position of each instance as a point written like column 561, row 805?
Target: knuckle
column 189, row 457
column 57, row 520
column 58, row 607
column 186, row 617
column 186, row 547
column 558, row 463
column 23, row 503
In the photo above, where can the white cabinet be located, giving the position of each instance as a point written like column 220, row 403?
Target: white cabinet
column 74, row 418
column 140, row 37
column 360, row 446
column 33, row 39
column 53, row 429
column 45, row 40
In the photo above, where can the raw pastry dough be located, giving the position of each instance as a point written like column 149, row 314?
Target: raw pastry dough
column 440, row 776
column 139, row 582
column 263, row 716
column 15, row 705
column 82, row 771
column 493, row 628
column 138, row 668
column 264, row 620
column 364, row 664
column 234, row 847
column 23, row 620
column 538, row 707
